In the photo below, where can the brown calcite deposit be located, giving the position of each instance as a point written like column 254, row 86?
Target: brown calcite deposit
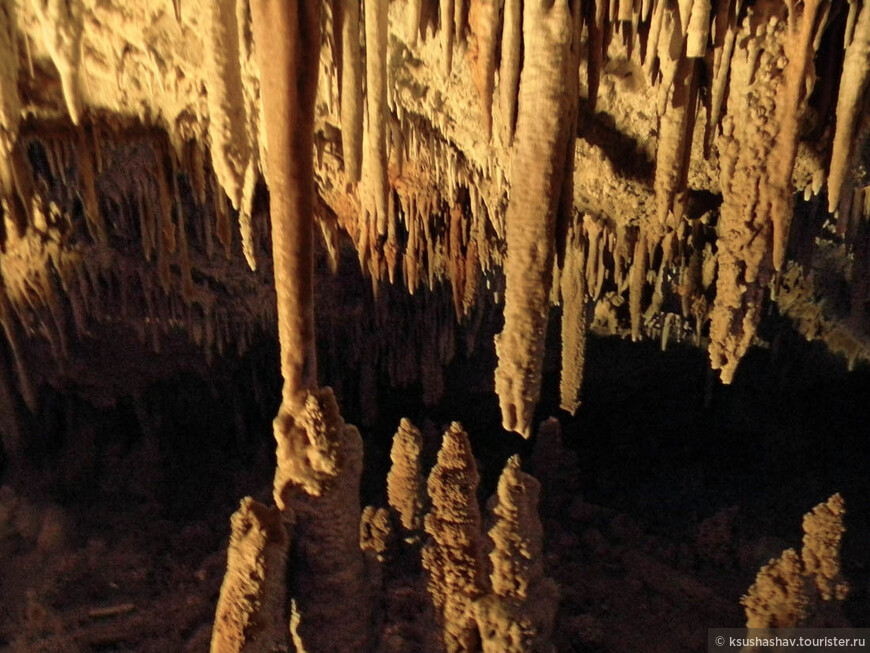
column 171, row 174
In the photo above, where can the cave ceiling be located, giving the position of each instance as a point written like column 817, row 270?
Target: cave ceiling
column 668, row 171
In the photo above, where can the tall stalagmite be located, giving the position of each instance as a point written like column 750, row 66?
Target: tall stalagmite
column 327, row 571
column 252, row 609
column 405, row 481
column 452, row 556
column 518, row 616
column 537, row 169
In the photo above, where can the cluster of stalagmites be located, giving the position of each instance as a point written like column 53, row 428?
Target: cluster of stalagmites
column 803, row 589
column 340, row 555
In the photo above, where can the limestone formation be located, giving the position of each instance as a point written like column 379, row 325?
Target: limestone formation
column 802, row 590
column 251, row 612
column 518, row 616
column 820, row 554
column 406, row 489
column 452, row 557
column 285, row 36
column 538, row 159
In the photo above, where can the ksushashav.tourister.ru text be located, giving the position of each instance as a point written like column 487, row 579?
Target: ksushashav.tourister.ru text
column 774, row 642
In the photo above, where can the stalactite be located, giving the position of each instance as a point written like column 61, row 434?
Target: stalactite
column 62, row 24
column 676, row 124
column 573, row 293
column 375, row 163
column 539, row 162
column 10, row 111
column 519, row 615
column 452, row 555
column 757, row 151
column 405, row 482
column 412, row 28
column 246, row 227
column 228, row 135
column 483, row 21
column 447, row 34
column 699, row 29
column 351, row 92
column 285, row 38
column 637, row 280
column 250, row 611
column 853, row 83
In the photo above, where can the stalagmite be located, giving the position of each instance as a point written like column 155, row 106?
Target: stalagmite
column 351, row 92
column 452, row 555
column 853, row 83
column 483, row 20
column 798, row 590
column 539, row 160
column 228, row 135
column 319, row 465
column 573, row 291
column 251, row 609
column 779, row 596
column 405, row 482
column 286, row 37
column 375, row 158
column 823, row 532
column 519, row 615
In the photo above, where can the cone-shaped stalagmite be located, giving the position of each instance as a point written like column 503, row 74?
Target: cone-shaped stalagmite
column 252, row 609
column 538, row 167
column 452, row 556
column 405, row 482
column 518, row 616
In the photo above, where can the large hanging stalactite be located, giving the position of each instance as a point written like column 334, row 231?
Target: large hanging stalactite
column 287, row 38
column 538, row 167
column 757, row 148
